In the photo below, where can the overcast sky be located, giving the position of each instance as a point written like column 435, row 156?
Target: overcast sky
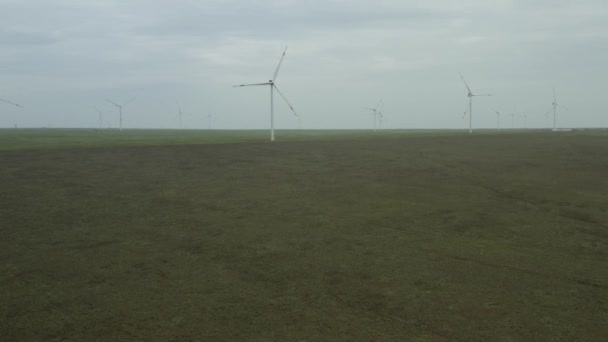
column 61, row 59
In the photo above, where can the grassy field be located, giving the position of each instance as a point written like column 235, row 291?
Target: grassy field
column 19, row 139
column 391, row 237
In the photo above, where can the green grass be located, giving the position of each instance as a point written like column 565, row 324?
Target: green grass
column 20, row 139
column 394, row 237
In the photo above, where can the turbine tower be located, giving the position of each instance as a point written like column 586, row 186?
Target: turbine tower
column 497, row 119
column 376, row 113
column 100, row 117
column 555, row 105
column 273, row 87
column 120, row 109
column 470, row 106
column 513, row 118
column 209, row 117
column 179, row 108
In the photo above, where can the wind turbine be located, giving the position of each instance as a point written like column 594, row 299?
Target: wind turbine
column 470, row 107
column 273, row 87
column 555, row 105
column 12, row 103
column 209, row 117
column 179, row 108
column 497, row 119
column 513, row 119
column 376, row 112
column 120, row 108
column 100, row 117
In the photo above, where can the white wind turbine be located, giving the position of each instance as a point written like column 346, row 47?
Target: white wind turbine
column 100, row 118
column 555, row 105
column 273, row 87
column 376, row 113
column 513, row 118
column 120, row 109
column 497, row 119
column 12, row 103
column 470, row 106
column 179, row 113
column 209, row 118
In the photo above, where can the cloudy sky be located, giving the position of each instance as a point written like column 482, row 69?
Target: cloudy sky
column 61, row 59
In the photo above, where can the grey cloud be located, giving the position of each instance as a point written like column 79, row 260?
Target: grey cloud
column 265, row 20
column 14, row 38
column 342, row 54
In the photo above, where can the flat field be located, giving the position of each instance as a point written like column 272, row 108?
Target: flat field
column 390, row 237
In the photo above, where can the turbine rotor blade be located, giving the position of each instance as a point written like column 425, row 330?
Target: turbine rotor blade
column 117, row 105
column 251, row 84
column 466, row 110
column 481, row 95
column 380, row 105
column 276, row 72
column 554, row 97
column 131, row 100
column 465, row 83
column 13, row 103
column 560, row 106
column 286, row 101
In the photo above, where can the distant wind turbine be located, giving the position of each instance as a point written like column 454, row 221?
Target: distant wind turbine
column 100, row 117
column 13, row 103
column 377, row 113
column 120, row 106
column 470, row 106
column 179, row 108
column 209, row 117
column 497, row 119
column 555, row 105
column 273, row 87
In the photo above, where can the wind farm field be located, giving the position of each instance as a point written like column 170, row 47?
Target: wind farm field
column 430, row 236
column 41, row 138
